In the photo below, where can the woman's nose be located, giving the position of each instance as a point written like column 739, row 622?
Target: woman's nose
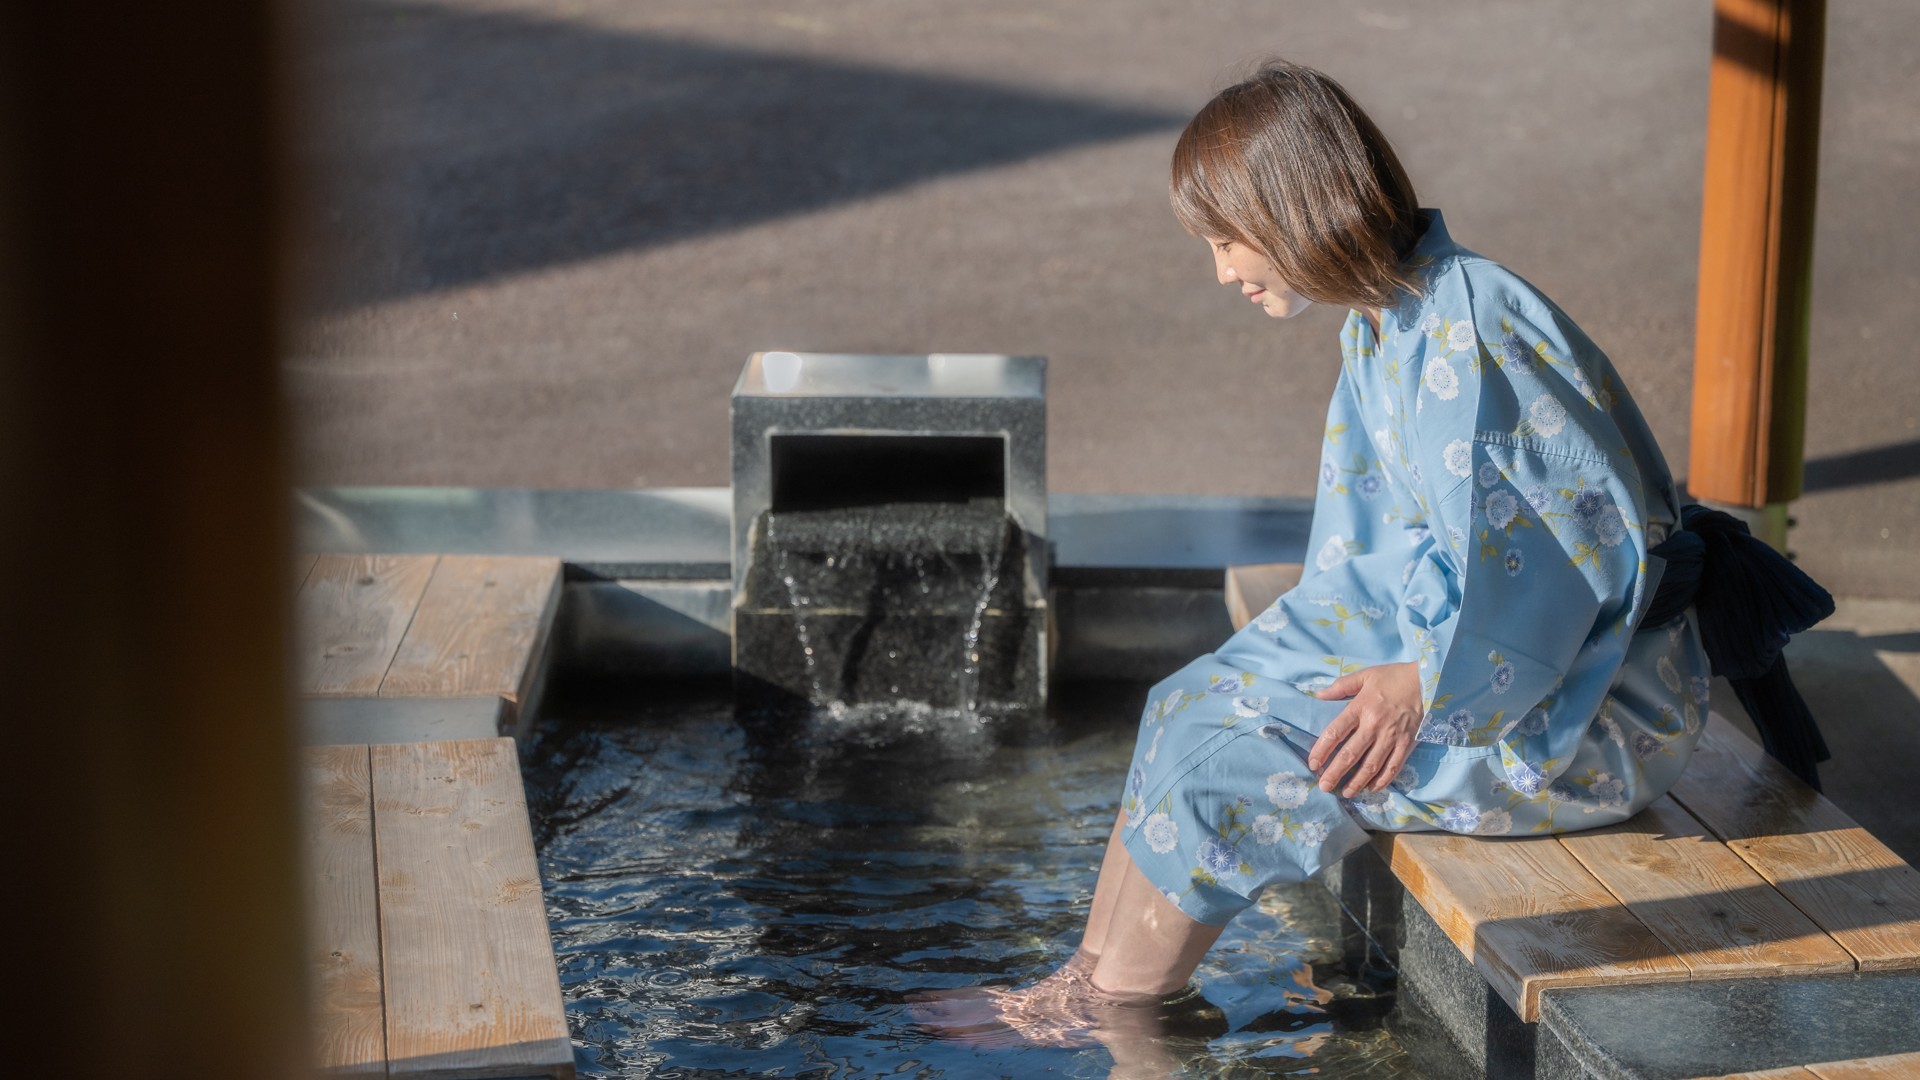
column 1223, row 270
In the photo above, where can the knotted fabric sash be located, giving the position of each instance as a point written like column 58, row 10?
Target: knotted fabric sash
column 1748, row 601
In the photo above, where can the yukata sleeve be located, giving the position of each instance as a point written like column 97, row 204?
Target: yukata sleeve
column 1520, row 605
column 1350, row 486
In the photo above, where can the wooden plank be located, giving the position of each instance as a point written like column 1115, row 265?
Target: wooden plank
column 351, row 615
column 1790, row 1072
column 1252, row 589
column 1891, row 1067
column 519, row 712
column 343, row 922
column 524, row 703
column 477, row 628
column 1850, row 884
column 1527, row 914
column 302, row 566
column 1719, row 916
column 472, row 989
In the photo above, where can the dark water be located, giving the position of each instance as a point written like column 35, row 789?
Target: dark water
column 747, row 900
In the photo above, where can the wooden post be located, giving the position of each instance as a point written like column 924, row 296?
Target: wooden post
column 151, row 848
column 1756, row 257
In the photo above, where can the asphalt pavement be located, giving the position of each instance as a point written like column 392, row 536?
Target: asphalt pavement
column 545, row 235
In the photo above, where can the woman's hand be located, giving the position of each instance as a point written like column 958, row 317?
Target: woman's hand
column 1371, row 738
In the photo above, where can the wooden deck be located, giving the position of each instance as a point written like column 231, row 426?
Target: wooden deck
column 1741, row 871
column 428, row 935
column 429, row 939
column 440, row 626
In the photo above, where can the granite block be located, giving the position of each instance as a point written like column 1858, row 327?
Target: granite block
column 1370, row 897
column 1477, row 1021
column 1445, row 1013
column 1554, row 1060
column 911, row 398
column 1669, row 1031
column 913, row 557
column 1429, row 1039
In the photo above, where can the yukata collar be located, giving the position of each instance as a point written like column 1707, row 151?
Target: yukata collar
column 1433, row 246
column 1434, row 243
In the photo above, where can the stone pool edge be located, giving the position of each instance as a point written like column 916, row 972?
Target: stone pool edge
column 1135, row 580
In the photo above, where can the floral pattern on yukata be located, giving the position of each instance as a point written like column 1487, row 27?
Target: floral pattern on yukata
column 1487, row 496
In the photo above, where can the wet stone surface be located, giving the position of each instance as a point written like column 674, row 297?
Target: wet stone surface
column 918, row 602
column 1670, row 1031
column 944, row 660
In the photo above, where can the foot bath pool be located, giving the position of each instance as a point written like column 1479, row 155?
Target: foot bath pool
column 733, row 896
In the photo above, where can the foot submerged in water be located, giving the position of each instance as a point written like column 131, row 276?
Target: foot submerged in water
column 1064, row 1010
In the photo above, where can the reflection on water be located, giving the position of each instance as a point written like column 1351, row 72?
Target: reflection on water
column 736, row 899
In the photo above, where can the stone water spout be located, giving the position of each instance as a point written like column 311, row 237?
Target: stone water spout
column 890, row 530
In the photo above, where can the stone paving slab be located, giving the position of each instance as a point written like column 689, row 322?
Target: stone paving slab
column 1672, row 1032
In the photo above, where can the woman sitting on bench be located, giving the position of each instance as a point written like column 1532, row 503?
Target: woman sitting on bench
column 1468, row 648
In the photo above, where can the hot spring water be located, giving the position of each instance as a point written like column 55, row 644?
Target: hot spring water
column 735, row 897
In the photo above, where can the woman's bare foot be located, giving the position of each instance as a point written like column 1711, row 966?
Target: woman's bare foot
column 1119, row 996
column 1065, row 1009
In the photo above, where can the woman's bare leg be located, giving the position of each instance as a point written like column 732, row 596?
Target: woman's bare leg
column 1138, row 949
column 1106, row 893
column 1153, row 945
column 1150, row 947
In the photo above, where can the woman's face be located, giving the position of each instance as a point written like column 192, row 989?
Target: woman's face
column 1236, row 264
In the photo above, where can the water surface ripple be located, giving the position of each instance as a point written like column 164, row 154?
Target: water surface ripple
column 751, row 899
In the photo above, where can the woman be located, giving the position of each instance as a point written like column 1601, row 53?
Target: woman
column 1461, row 652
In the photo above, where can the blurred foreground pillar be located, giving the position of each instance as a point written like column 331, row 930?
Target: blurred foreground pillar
column 148, row 773
column 1756, row 258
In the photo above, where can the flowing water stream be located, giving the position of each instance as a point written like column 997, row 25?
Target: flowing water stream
column 877, row 605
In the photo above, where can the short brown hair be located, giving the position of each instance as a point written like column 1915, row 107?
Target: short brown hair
column 1286, row 163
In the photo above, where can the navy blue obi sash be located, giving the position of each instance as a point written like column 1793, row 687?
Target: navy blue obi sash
column 1748, row 600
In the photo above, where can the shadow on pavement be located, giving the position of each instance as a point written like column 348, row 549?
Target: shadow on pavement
column 460, row 146
column 1880, row 464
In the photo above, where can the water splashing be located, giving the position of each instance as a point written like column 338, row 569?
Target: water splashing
column 901, row 603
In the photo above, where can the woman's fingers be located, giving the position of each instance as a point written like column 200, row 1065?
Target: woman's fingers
column 1332, row 736
column 1343, row 687
column 1356, row 745
column 1372, row 769
column 1395, row 763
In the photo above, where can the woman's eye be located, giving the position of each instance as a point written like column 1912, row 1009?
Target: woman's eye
column 1223, row 245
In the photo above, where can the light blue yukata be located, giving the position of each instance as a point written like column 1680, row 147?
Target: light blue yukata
column 1488, row 495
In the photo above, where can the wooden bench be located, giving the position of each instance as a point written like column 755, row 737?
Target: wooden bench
column 427, row 930
column 1740, row 871
column 427, row 626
